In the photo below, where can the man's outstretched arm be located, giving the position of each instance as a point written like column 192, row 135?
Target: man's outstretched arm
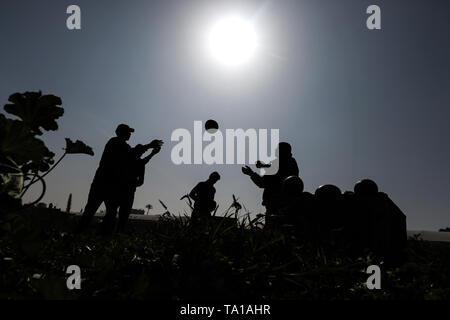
column 256, row 178
column 154, row 144
column 194, row 193
column 146, row 159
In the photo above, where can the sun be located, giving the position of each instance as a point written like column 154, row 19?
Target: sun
column 232, row 41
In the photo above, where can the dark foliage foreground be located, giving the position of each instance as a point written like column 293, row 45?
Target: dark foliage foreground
column 171, row 260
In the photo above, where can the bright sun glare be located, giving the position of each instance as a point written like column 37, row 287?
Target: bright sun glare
column 232, row 41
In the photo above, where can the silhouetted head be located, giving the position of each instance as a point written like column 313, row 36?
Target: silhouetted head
column 284, row 149
column 123, row 131
column 365, row 187
column 292, row 186
column 214, row 177
column 328, row 191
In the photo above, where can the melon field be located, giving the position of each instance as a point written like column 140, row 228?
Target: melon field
column 171, row 260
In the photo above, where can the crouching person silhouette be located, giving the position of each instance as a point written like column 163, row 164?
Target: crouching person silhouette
column 203, row 195
column 136, row 173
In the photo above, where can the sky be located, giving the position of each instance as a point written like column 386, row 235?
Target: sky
column 354, row 103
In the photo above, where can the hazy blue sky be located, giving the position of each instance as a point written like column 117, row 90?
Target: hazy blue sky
column 353, row 103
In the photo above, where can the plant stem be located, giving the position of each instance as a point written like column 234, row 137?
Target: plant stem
column 53, row 167
column 33, row 181
column 44, row 189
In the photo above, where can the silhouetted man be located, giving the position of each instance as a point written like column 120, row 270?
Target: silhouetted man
column 203, row 195
column 272, row 183
column 110, row 174
column 136, row 173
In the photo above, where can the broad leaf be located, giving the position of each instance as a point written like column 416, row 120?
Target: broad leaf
column 18, row 143
column 11, row 184
column 35, row 110
column 43, row 165
column 78, row 147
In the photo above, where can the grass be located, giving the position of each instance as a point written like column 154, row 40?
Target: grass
column 171, row 260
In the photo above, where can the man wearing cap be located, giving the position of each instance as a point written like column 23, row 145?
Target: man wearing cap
column 110, row 175
column 284, row 166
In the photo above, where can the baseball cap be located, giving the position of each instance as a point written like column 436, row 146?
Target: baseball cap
column 124, row 128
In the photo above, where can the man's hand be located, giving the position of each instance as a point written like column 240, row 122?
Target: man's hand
column 156, row 150
column 247, row 170
column 155, row 144
column 260, row 165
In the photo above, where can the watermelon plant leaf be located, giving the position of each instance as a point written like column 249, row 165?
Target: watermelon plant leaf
column 78, row 147
column 36, row 110
column 18, row 143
